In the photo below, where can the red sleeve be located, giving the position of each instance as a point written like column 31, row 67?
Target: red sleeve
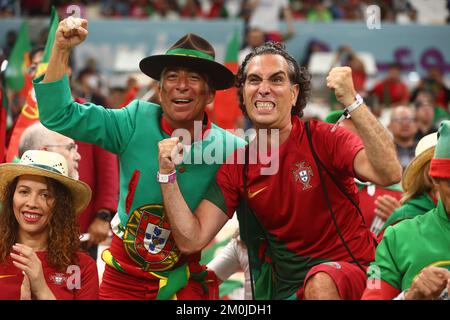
column 224, row 190
column 89, row 279
column 337, row 148
column 384, row 291
column 107, row 180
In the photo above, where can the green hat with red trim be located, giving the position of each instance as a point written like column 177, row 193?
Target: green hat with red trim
column 440, row 164
column 193, row 52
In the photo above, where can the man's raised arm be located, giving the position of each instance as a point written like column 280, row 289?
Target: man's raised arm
column 70, row 33
column 377, row 162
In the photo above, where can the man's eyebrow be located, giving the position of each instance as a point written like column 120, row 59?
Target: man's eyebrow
column 281, row 72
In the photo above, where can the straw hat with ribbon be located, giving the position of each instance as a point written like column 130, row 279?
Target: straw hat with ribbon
column 193, row 52
column 46, row 164
column 424, row 153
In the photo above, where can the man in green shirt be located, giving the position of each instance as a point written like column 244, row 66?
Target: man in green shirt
column 143, row 261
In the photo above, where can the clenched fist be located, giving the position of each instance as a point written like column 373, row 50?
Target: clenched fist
column 340, row 80
column 70, row 32
column 170, row 154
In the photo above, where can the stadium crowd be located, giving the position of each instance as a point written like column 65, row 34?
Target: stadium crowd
column 404, row 116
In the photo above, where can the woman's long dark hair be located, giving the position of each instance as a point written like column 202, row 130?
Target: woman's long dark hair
column 64, row 235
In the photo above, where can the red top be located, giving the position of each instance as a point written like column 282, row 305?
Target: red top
column 69, row 285
column 291, row 204
column 389, row 92
column 99, row 169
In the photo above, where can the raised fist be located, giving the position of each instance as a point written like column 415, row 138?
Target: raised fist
column 340, row 80
column 71, row 32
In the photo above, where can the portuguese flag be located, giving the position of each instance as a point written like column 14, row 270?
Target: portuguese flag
column 18, row 60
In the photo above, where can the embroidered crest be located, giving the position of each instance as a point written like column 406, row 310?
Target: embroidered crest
column 58, row 278
column 148, row 239
column 303, row 173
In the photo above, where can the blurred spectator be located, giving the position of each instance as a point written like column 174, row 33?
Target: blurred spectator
column 403, row 128
column 265, row 14
column 87, row 86
column 313, row 46
column 391, row 91
column 165, row 9
column 404, row 12
column 345, row 56
column 434, row 83
column 191, row 9
column 139, row 9
column 255, row 37
column 7, row 8
column 424, row 111
column 319, row 13
column 427, row 97
column 430, row 12
column 11, row 37
column 35, row 7
column 130, row 92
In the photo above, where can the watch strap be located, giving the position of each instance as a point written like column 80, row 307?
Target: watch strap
column 166, row 178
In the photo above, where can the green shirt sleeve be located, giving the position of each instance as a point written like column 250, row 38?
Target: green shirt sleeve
column 385, row 265
column 111, row 129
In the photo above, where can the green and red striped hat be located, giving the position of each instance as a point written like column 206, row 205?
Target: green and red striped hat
column 440, row 164
column 194, row 52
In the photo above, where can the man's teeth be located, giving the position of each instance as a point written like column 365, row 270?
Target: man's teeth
column 31, row 216
column 182, row 100
column 265, row 105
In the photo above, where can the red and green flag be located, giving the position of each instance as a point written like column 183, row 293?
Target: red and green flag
column 30, row 112
column 226, row 104
column 18, row 60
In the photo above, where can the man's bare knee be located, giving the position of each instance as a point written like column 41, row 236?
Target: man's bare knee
column 321, row 287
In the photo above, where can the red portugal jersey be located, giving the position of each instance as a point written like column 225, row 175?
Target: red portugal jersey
column 291, row 205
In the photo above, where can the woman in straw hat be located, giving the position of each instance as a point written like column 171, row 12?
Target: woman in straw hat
column 39, row 237
column 419, row 192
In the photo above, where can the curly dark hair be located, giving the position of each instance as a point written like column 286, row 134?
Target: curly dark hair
column 297, row 75
column 64, row 234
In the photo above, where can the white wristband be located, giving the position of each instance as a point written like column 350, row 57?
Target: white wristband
column 359, row 101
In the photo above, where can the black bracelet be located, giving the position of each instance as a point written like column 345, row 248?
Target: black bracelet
column 105, row 216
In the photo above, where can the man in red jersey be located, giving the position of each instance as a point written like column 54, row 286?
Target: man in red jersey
column 305, row 237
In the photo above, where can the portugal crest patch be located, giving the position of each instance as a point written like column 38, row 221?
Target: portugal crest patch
column 148, row 239
column 303, row 173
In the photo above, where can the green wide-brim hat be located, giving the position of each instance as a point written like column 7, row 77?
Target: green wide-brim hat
column 193, row 52
column 440, row 164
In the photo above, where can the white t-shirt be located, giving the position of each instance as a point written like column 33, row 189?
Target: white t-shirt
column 266, row 15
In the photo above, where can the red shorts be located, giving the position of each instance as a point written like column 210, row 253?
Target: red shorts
column 120, row 286
column 349, row 279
